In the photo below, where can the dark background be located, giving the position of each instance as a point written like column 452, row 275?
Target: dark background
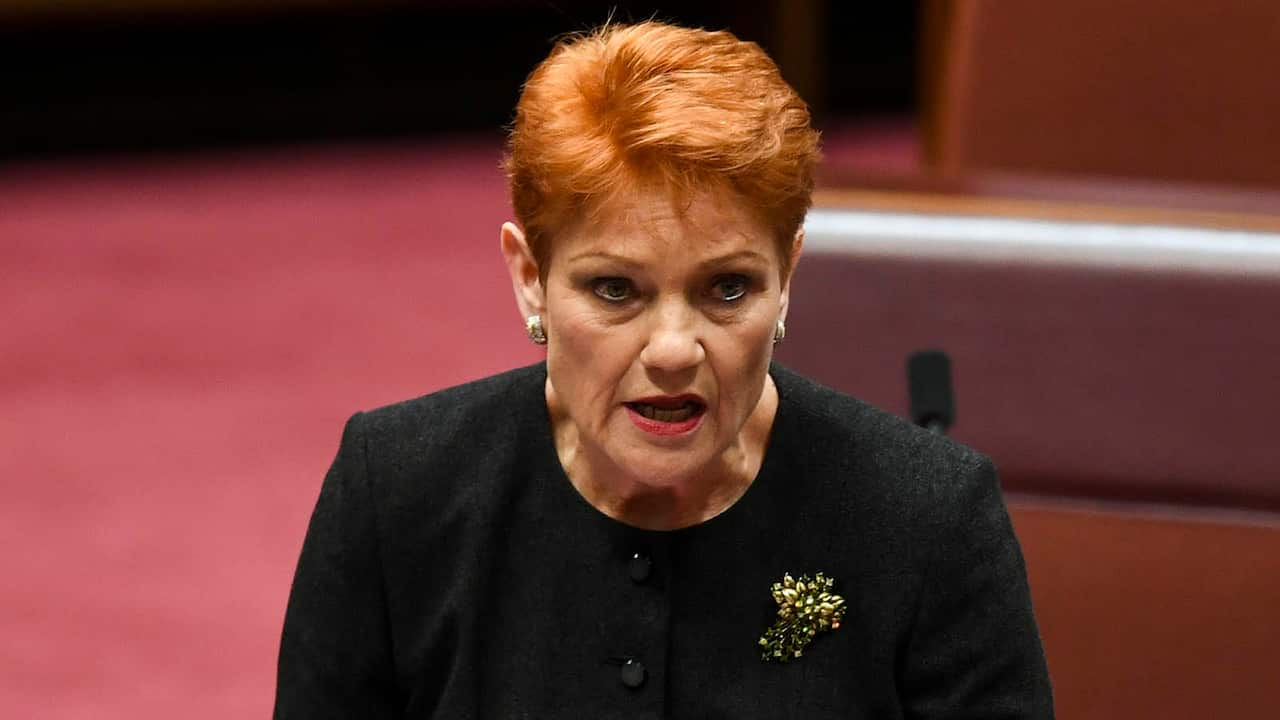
column 131, row 81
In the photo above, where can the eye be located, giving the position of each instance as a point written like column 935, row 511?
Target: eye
column 730, row 288
column 612, row 289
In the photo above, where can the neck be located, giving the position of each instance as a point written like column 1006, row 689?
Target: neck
column 693, row 497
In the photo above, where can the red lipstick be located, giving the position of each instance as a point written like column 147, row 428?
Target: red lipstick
column 667, row 414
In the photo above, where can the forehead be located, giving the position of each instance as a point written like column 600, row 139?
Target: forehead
column 656, row 225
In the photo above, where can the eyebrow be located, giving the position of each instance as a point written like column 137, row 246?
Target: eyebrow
column 708, row 263
column 601, row 255
column 751, row 255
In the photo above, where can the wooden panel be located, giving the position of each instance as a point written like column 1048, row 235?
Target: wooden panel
column 1047, row 199
column 1155, row 613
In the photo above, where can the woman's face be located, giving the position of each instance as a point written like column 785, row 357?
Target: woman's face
column 660, row 331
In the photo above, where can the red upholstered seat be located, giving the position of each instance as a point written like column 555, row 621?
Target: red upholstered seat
column 1098, row 360
column 1178, row 90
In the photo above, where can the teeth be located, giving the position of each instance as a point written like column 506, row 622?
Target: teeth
column 661, row 415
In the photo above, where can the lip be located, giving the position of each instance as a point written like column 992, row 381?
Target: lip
column 657, row 427
column 667, row 429
column 671, row 399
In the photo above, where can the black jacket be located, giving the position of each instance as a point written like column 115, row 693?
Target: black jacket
column 452, row 571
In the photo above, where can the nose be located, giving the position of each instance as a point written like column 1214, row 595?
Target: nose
column 673, row 344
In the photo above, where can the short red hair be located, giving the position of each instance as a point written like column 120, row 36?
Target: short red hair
column 627, row 107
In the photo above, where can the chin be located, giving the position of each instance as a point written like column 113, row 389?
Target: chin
column 659, row 461
column 660, row 468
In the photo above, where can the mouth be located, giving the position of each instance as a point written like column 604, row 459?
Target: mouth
column 667, row 415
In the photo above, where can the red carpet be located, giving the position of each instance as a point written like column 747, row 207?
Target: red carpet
column 182, row 342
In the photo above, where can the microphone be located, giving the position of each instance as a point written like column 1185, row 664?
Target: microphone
column 929, row 382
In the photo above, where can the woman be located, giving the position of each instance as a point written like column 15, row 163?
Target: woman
column 657, row 522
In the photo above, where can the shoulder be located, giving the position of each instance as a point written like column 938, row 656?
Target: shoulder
column 855, row 426
column 907, row 468
column 490, row 418
column 504, row 395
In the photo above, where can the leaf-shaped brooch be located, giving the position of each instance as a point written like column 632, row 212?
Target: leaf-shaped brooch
column 806, row 607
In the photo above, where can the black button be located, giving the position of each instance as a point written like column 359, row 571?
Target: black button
column 632, row 673
column 640, row 566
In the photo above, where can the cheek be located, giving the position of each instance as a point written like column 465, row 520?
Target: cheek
column 588, row 356
column 741, row 360
column 753, row 338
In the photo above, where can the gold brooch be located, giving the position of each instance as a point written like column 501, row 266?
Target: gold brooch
column 806, row 607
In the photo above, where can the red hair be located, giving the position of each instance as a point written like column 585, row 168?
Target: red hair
column 632, row 107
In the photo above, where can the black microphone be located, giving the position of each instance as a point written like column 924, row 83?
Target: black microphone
column 929, row 382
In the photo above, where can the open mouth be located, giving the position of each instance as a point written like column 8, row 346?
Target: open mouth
column 676, row 412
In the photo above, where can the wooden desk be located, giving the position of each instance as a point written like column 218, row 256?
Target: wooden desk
column 1150, row 612
column 1062, row 199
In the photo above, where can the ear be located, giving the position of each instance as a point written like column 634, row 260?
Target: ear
column 785, row 299
column 530, row 295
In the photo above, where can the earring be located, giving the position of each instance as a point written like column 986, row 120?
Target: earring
column 779, row 332
column 533, row 326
